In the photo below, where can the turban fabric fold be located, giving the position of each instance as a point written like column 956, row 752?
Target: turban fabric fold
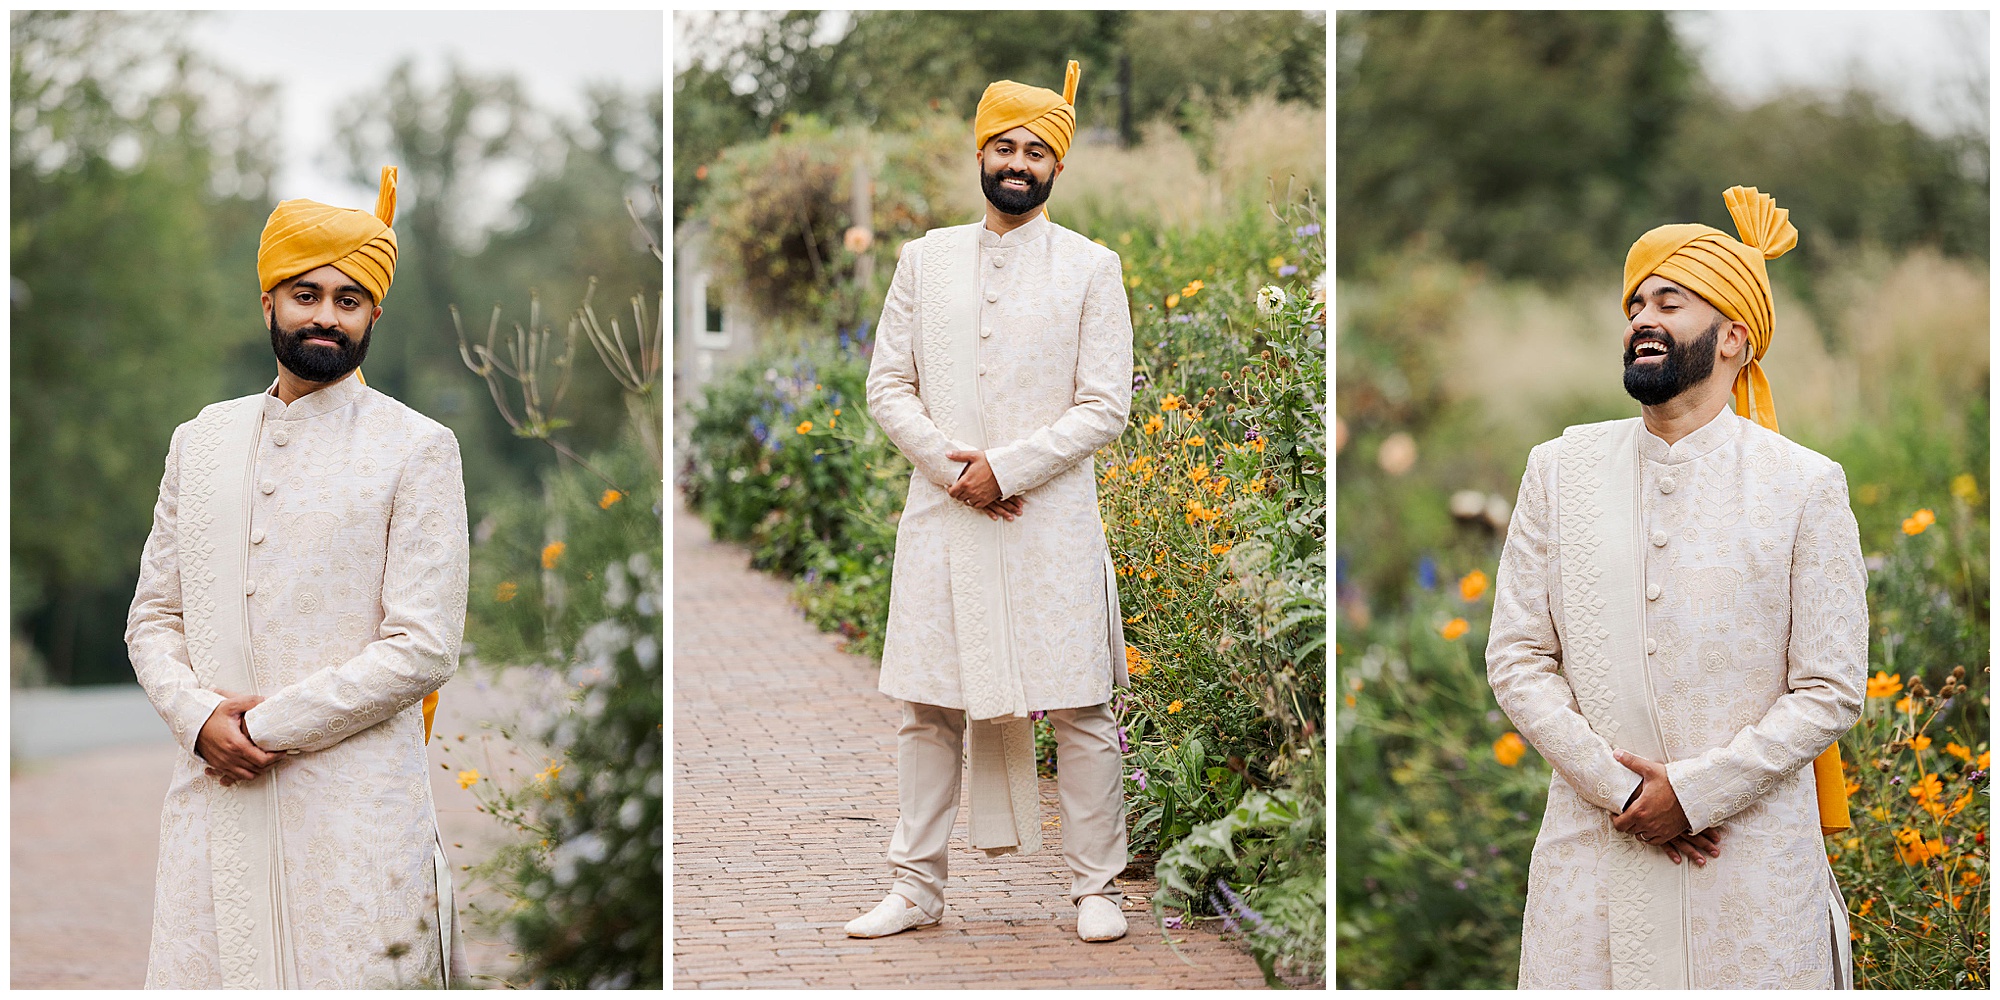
column 1729, row 274
column 303, row 234
column 1051, row 116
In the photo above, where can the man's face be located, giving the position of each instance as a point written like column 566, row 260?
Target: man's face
column 320, row 323
column 1017, row 170
column 1670, row 344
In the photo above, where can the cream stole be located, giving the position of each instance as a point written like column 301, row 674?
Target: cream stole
column 1604, row 657
column 244, row 849
column 1002, row 795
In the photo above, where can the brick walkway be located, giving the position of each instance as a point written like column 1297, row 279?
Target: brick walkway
column 784, row 800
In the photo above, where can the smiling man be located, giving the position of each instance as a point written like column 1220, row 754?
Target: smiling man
column 301, row 594
column 1681, row 629
column 1002, row 363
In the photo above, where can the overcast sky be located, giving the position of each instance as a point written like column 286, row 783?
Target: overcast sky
column 555, row 56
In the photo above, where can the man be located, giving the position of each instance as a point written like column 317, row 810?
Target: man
column 302, row 591
column 1681, row 628
column 1003, row 361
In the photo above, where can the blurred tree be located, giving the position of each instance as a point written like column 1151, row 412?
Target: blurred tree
column 139, row 176
column 1521, row 139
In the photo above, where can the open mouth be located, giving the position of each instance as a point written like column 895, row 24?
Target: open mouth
column 1015, row 183
column 1649, row 350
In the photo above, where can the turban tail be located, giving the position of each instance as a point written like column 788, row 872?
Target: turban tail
column 1730, row 275
column 303, row 234
column 1051, row 116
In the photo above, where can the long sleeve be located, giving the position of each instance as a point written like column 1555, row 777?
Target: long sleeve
column 1103, row 392
column 1524, row 653
column 155, row 638
column 892, row 381
column 1826, row 669
column 423, row 620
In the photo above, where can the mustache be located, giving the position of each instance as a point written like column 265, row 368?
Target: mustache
column 300, row 336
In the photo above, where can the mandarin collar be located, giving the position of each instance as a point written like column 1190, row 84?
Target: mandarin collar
column 316, row 403
column 1705, row 439
column 1029, row 231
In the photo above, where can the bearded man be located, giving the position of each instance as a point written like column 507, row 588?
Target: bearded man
column 1003, row 361
column 302, row 592
column 1681, row 629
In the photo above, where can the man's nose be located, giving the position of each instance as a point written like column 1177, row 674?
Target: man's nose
column 325, row 316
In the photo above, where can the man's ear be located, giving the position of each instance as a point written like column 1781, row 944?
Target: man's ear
column 268, row 304
column 1058, row 173
column 1736, row 340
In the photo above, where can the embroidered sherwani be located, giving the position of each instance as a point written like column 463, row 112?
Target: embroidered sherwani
column 1745, row 657
column 338, row 524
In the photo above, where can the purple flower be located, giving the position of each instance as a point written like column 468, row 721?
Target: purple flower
column 1125, row 747
column 1493, row 850
column 1138, row 381
column 1228, row 920
column 1288, row 270
column 1240, row 908
column 1038, row 715
column 1139, row 775
column 1173, row 921
column 1250, row 435
column 1427, row 573
column 1897, row 780
column 1459, row 884
column 1309, row 229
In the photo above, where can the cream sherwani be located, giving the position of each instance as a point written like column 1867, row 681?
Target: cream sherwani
column 315, row 554
column 1019, row 345
column 1705, row 601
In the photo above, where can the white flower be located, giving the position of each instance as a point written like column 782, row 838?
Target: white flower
column 1270, row 299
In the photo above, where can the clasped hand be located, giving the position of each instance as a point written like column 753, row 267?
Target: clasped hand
column 1655, row 815
column 977, row 487
column 224, row 741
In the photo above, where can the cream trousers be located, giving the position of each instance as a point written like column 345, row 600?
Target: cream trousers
column 1090, row 798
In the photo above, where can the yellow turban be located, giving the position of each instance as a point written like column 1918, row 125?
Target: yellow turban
column 1007, row 105
column 1729, row 274
column 303, row 234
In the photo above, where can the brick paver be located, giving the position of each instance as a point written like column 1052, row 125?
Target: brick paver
column 784, row 800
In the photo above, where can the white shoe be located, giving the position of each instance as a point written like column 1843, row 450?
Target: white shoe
column 1099, row 919
column 892, row 915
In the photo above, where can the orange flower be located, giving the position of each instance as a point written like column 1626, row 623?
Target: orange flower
column 1916, row 523
column 1920, row 743
column 1962, row 753
column 1884, row 684
column 1958, row 805
column 1258, row 446
column 1905, row 705
column 506, row 591
column 1175, row 707
column 1917, row 851
column 1198, row 473
column 551, row 554
column 1170, row 402
column 466, row 779
column 1928, row 789
column 1153, row 424
column 610, row 497
column 1194, row 442
column 1218, row 549
column 1509, row 748
column 805, row 427
column 1254, row 486
column 1173, row 300
column 1969, row 877
column 1136, row 663
column 1453, row 629
column 1472, row 585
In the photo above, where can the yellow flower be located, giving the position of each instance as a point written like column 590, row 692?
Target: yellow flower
column 549, row 772
column 1962, row 753
column 1472, row 585
column 1175, row 707
column 1133, row 281
column 1173, row 300
column 1136, row 663
column 1920, row 743
column 1453, row 629
column 1218, row 549
column 552, row 554
column 1276, row 262
column 1969, row 877
column 1905, row 705
column 1965, row 487
column 1985, row 758
column 1958, row 804
column 1198, row 473
column 1927, row 789
column 1170, row 403
column 1916, row 523
column 1153, row 424
column 466, row 779
column 1254, row 486
column 1917, row 851
column 1884, row 684
column 1194, row 442
column 506, row 591
column 610, row 497
column 1509, row 748
column 805, row 427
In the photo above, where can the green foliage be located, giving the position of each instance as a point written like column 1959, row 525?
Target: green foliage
column 1541, row 143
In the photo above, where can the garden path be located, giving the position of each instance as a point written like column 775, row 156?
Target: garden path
column 784, row 800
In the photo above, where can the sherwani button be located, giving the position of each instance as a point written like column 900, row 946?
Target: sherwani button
column 267, row 487
column 986, row 331
column 257, row 537
column 1659, row 538
column 1652, row 592
column 1667, row 485
column 280, row 438
column 249, row 587
column 992, row 296
column 1651, row 646
column 999, row 262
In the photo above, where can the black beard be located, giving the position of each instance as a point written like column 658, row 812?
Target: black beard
column 1009, row 201
column 1686, row 365
column 318, row 363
